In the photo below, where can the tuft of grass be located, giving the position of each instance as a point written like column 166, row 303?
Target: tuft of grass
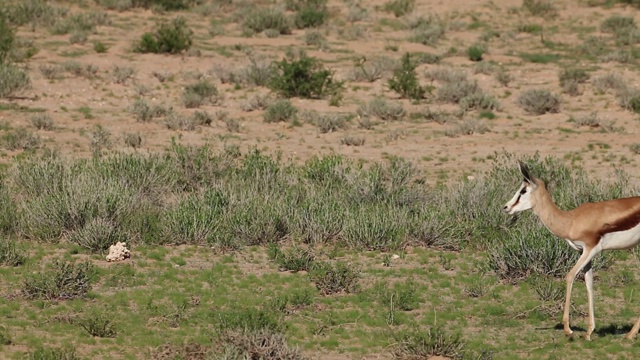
column 122, row 74
column 539, row 101
column 52, row 353
column 350, row 140
column 133, row 140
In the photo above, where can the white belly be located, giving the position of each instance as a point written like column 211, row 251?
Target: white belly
column 622, row 239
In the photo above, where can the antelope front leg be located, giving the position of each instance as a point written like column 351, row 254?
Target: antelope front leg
column 588, row 280
column 584, row 259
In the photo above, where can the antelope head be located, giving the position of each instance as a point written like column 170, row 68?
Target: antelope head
column 521, row 201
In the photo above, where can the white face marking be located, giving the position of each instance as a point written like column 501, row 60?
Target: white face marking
column 521, row 201
column 622, row 239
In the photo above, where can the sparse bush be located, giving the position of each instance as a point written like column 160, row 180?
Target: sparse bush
column 635, row 148
column 50, row 72
column 420, row 344
column 405, row 80
column 96, row 235
column 468, row 127
column 174, row 38
column 304, row 77
column 202, row 92
column 61, row 281
column 383, row 109
column 144, row 112
column 294, row 259
column 547, row 288
column 617, row 23
column 100, row 138
column 51, row 353
column 350, row 140
column 100, row 47
column 400, row 7
column 630, row 99
column 479, row 101
column 281, row 110
column 330, row 122
column 427, row 31
column 261, row 19
column 256, row 102
column 121, row 74
column 542, row 8
column 98, row 324
column 195, row 219
column 594, row 121
column 503, row 77
column 133, row 140
column 176, row 121
column 570, row 78
column 372, row 69
column 20, row 139
column 42, row 121
column 334, row 278
column 311, row 14
column 80, row 23
column 609, row 81
column 539, row 101
column 260, row 344
column 315, row 38
column 14, row 80
column 375, row 228
column 7, row 39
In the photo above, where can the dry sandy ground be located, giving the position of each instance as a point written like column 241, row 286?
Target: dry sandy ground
column 425, row 143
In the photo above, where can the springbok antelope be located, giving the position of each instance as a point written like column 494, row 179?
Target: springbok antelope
column 591, row 228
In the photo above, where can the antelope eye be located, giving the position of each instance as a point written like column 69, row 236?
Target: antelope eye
column 523, row 191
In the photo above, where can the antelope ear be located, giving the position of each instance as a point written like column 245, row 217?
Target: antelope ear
column 524, row 169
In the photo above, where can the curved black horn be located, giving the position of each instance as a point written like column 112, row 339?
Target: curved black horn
column 524, row 169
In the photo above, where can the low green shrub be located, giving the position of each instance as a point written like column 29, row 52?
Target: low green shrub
column 304, row 77
column 173, row 38
column 405, row 80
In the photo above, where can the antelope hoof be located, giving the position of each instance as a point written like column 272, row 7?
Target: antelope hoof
column 567, row 332
column 630, row 336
